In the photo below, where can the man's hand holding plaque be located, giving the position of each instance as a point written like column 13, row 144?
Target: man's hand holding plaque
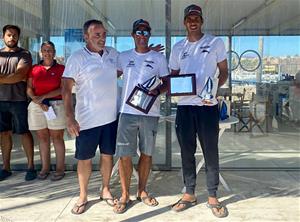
column 144, row 95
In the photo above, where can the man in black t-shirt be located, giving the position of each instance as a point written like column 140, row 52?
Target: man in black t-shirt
column 15, row 63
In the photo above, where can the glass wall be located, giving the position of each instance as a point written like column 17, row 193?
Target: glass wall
column 263, row 91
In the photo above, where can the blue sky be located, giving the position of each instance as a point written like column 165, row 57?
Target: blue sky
column 273, row 45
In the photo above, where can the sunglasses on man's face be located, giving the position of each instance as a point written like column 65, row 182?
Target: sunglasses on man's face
column 142, row 33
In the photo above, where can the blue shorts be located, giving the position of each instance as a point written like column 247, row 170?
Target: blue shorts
column 102, row 136
column 13, row 116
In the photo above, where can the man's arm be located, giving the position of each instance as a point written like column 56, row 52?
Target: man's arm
column 72, row 124
column 19, row 75
column 223, row 69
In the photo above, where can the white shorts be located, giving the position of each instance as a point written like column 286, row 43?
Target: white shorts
column 37, row 119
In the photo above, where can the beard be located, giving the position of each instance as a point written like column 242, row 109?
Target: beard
column 11, row 46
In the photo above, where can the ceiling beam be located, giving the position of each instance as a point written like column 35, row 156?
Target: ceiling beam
column 288, row 24
column 242, row 20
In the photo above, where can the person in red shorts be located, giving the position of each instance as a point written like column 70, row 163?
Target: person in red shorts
column 46, row 111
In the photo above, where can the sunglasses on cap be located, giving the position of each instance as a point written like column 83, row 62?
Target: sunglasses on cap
column 142, row 33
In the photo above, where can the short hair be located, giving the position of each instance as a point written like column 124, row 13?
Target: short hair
column 48, row 43
column 6, row 27
column 88, row 23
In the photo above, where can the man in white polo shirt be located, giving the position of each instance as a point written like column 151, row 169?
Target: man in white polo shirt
column 138, row 65
column 201, row 54
column 93, row 71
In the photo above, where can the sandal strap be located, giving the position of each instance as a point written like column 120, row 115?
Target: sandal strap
column 180, row 201
column 211, row 206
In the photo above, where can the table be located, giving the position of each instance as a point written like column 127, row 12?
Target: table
column 223, row 125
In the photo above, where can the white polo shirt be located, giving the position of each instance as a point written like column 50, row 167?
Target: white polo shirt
column 200, row 57
column 95, row 79
column 138, row 68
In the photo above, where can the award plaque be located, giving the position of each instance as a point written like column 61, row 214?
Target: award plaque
column 182, row 85
column 209, row 91
column 140, row 98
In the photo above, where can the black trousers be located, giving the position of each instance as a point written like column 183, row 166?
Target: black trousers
column 201, row 121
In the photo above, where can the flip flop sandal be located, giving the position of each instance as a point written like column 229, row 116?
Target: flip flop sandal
column 186, row 204
column 57, row 176
column 109, row 201
column 79, row 208
column 122, row 207
column 218, row 206
column 148, row 201
column 43, row 176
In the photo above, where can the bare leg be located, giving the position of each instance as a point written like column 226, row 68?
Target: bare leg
column 145, row 163
column 57, row 137
column 6, row 147
column 106, row 168
column 144, row 166
column 125, row 171
column 44, row 144
column 27, row 142
column 84, row 170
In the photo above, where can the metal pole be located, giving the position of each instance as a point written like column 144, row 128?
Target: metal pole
column 168, row 99
column 46, row 19
column 259, row 71
column 229, row 64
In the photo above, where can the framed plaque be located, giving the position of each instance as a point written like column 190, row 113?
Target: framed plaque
column 140, row 99
column 182, row 85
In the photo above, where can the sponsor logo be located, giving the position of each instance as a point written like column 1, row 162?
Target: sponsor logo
column 148, row 65
column 131, row 63
column 205, row 47
column 185, row 55
column 111, row 60
column 122, row 144
column 148, row 61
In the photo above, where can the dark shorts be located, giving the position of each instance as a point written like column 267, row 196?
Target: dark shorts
column 13, row 116
column 102, row 136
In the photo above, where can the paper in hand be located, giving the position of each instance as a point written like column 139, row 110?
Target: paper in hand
column 50, row 114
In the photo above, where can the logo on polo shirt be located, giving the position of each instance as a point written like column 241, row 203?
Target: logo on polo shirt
column 205, row 48
column 149, row 61
column 131, row 63
column 148, row 65
column 185, row 55
column 52, row 74
column 111, row 60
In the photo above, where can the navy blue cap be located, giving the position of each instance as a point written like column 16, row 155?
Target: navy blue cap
column 192, row 10
column 141, row 22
